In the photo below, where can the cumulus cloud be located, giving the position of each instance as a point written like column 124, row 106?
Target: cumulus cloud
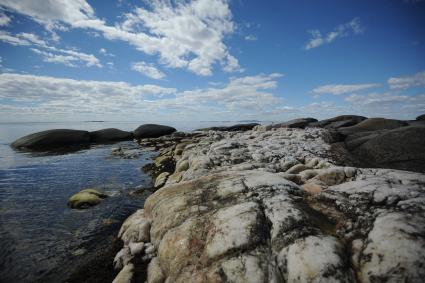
column 338, row 89
column 56, row 96
column 417, row 80
column 148, row 70
column 185, row 34
column 317, row 38
column 49, row 53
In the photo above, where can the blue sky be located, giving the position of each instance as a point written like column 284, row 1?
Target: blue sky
column 65, row 60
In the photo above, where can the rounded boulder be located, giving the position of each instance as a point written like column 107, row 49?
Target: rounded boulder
column 152, row 131
column 109, row 135
column 52, row 139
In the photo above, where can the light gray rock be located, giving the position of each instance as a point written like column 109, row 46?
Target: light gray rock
column 234, row 215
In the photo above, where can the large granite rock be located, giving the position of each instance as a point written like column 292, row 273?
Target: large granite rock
column 152, row 131
column 271, row 206
column 401, row 148
column 110, row 135
column 52, row 139
column 373, row 124
column 237, row 127
column 339, row 121
column 421, row 117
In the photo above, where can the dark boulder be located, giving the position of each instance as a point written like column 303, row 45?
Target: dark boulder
column 233, row 128
column 338, row 122
column 421, row 117
column 373, row 124
column 109, row 135
column 152, row 131
column 52, row 139
column 401, row 148
column 296, row 123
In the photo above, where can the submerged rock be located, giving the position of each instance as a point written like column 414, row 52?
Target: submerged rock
column 152, row 131
column 86, row 198
column 52, row 139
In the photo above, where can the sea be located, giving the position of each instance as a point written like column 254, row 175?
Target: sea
column 41, row 238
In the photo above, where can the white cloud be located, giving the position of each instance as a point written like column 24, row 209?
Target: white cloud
column 417, row 80
column 317, row 38
column 250, row 93
column 49, row 53
column 388, row 104
column 104, row 52
column 338, row 89
column 251, row 37
column 185, row 34
column 4, row 19
column 148, row 70
column 48, row 96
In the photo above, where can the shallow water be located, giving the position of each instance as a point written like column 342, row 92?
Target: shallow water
column 41, row 239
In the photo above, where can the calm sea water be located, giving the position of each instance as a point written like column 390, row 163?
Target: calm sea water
column 41, row 239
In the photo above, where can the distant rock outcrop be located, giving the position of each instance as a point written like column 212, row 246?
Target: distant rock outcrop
column 421, row 117
column 233, row 128
column 338, row 122
column 373, row 124
column 109, row 135
column 152, row 131
column 52, row 139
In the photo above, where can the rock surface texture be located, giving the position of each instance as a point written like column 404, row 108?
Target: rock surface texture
column 270, row 205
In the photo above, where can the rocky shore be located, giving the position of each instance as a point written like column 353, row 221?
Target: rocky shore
column 289, row 202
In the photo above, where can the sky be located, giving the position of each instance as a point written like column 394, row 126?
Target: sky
column 210, row 60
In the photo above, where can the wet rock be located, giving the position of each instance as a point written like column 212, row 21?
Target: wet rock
column 161, row 179
column 182, row 165
column 52, row 139
column 86, row 198
column 152, row 131
column 110, row 135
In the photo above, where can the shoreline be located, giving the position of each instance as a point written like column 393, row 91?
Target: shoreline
column 204, row 221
